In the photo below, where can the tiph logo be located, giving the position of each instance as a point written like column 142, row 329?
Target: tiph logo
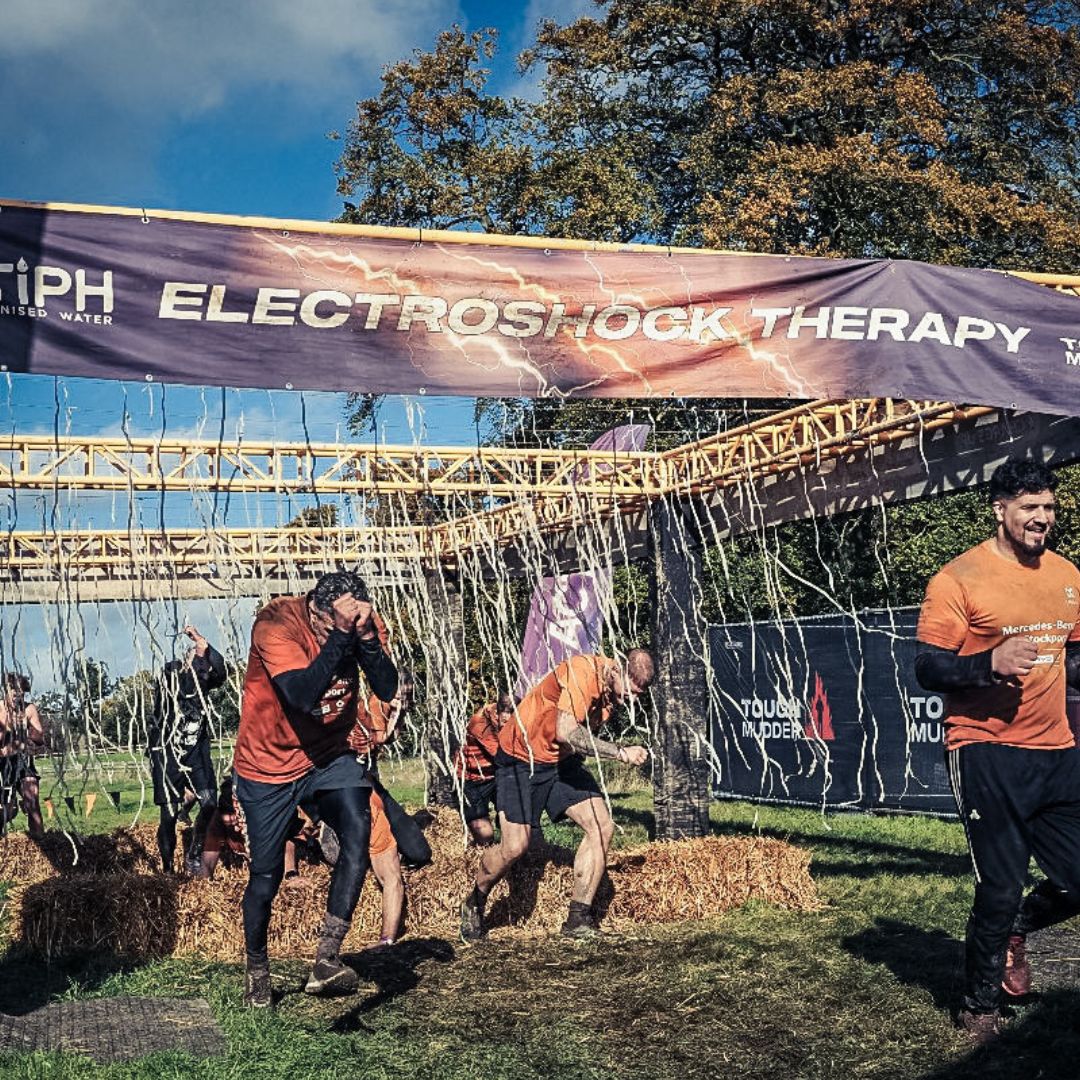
column 31, row 291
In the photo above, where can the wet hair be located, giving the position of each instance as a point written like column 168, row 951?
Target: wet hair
column 16, row 680
column 641, row 667
column 1020, row 476
column 337, row 583
column 504, row 702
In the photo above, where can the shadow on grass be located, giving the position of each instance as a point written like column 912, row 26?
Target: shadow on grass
column 865, row 858
column 395, row 971
column 29, row 982
column 1043, row 1042
column 635, row 815
column 930, row 959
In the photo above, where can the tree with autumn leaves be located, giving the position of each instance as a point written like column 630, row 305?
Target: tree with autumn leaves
column 925, row 129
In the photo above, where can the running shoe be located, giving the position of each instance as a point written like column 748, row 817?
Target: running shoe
column 329, row 844
column 257, row 992
column 331, row 977
column 472, row 921
column 1017, row 980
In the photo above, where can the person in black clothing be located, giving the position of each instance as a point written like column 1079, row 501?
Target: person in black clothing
column 180, row 745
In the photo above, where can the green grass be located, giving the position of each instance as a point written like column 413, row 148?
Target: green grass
column 859, row 989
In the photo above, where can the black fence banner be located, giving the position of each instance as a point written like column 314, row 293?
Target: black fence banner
column 826, row 712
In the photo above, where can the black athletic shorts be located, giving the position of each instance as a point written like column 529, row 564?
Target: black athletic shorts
column 478, row 798
column 523, row 789
column 174, row 774
column 10, row 777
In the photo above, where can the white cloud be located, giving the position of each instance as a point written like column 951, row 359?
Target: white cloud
column 99, row 93
column 156, row 55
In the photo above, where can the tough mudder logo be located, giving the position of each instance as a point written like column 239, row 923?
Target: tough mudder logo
column 38, row 292
column 785, row 718
column 926, row 714
column 1072, row 350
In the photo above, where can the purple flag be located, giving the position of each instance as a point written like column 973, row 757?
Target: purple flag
column 566, row 614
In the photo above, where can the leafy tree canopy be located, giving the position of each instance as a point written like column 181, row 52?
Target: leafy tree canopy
column 923, row 129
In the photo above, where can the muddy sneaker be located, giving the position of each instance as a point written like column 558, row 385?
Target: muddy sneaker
column 581, row 931
column 1017, row 980
column 331, row 977
column 257, row 992
column 981, row 1027
column 472, row 921
column 329, row 845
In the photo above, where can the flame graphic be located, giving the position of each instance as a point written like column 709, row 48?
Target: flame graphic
column 819, row 724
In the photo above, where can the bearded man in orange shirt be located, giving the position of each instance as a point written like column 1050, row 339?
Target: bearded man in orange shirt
column 539, row 766
column 999, row 636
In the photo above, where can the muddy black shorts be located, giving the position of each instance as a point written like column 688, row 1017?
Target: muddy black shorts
column 523, row 789
column 173, row 773
column 478, row 798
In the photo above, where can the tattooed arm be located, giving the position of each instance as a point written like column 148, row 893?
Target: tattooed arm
column 578, row 738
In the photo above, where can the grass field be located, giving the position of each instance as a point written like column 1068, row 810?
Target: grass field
column 859, row 989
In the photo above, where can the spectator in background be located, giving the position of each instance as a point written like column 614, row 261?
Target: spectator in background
column 21, row 732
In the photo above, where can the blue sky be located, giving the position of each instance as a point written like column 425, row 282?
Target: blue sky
column 220, row 107
column 213, row 106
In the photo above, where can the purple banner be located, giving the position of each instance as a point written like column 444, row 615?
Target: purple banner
column 109, row 294
column 566, row 614
column 565, row 619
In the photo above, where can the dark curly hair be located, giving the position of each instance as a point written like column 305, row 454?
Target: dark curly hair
column 337, row 583
column 15, row 680
column 1021, row 476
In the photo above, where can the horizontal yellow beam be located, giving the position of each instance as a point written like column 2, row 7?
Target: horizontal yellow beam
column 72, row 463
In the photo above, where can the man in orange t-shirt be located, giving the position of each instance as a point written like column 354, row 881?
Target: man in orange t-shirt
column 299, row 706
column 999, row 636
column 475, row 766
column 539, row 766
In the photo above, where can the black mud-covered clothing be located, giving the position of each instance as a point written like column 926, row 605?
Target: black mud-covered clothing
column 179, row 733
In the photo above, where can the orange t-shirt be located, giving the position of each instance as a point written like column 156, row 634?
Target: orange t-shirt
column 480, row 746
column 577, row 686
column 372, row 720
column 382, row 839
column 277, row 744
column 975, row 603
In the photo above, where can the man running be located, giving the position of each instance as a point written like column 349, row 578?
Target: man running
column 179, row 746
column 299, row 706
column 539, row 766
column 377, row 725
column 476, row 767
column 999, row 636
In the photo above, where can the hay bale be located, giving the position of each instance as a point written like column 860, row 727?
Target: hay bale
column 128, row 915
column 663, row 882
column 25, row 860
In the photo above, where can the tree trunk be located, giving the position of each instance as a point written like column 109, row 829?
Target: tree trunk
column 681, row 765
